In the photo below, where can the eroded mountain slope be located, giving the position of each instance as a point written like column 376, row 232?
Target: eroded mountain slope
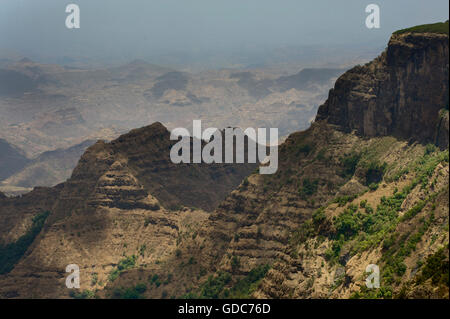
column 366, row 184
column 129, row 183
column 358, row 187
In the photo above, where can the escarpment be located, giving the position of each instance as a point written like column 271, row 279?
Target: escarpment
column 309, row 221
column 400, row 93
column 367, row 183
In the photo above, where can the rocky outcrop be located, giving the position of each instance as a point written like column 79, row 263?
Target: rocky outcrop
column 400, row 93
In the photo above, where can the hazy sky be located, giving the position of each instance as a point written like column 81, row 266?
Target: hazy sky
column 141, row 27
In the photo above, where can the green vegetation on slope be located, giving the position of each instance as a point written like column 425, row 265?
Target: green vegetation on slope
column 360, row 227
column 130, row 293
column 11, row 253
column 216, row 286
column 85, row 294
column 124, row 264
column 440, row 27
column 436, row 268
column 368, row 228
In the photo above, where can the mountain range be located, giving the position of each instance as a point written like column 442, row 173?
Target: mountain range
column 52, row 108
column 365, row 184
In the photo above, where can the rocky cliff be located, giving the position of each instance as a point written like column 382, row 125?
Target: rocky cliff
column 364, row 185
column 401, row 93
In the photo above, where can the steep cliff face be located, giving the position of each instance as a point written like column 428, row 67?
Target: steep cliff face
column 401, row 93
column 357, row 188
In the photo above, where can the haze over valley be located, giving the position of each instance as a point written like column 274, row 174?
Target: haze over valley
column 47, row 107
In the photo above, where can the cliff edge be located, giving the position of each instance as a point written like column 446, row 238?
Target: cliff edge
column 404, row 92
